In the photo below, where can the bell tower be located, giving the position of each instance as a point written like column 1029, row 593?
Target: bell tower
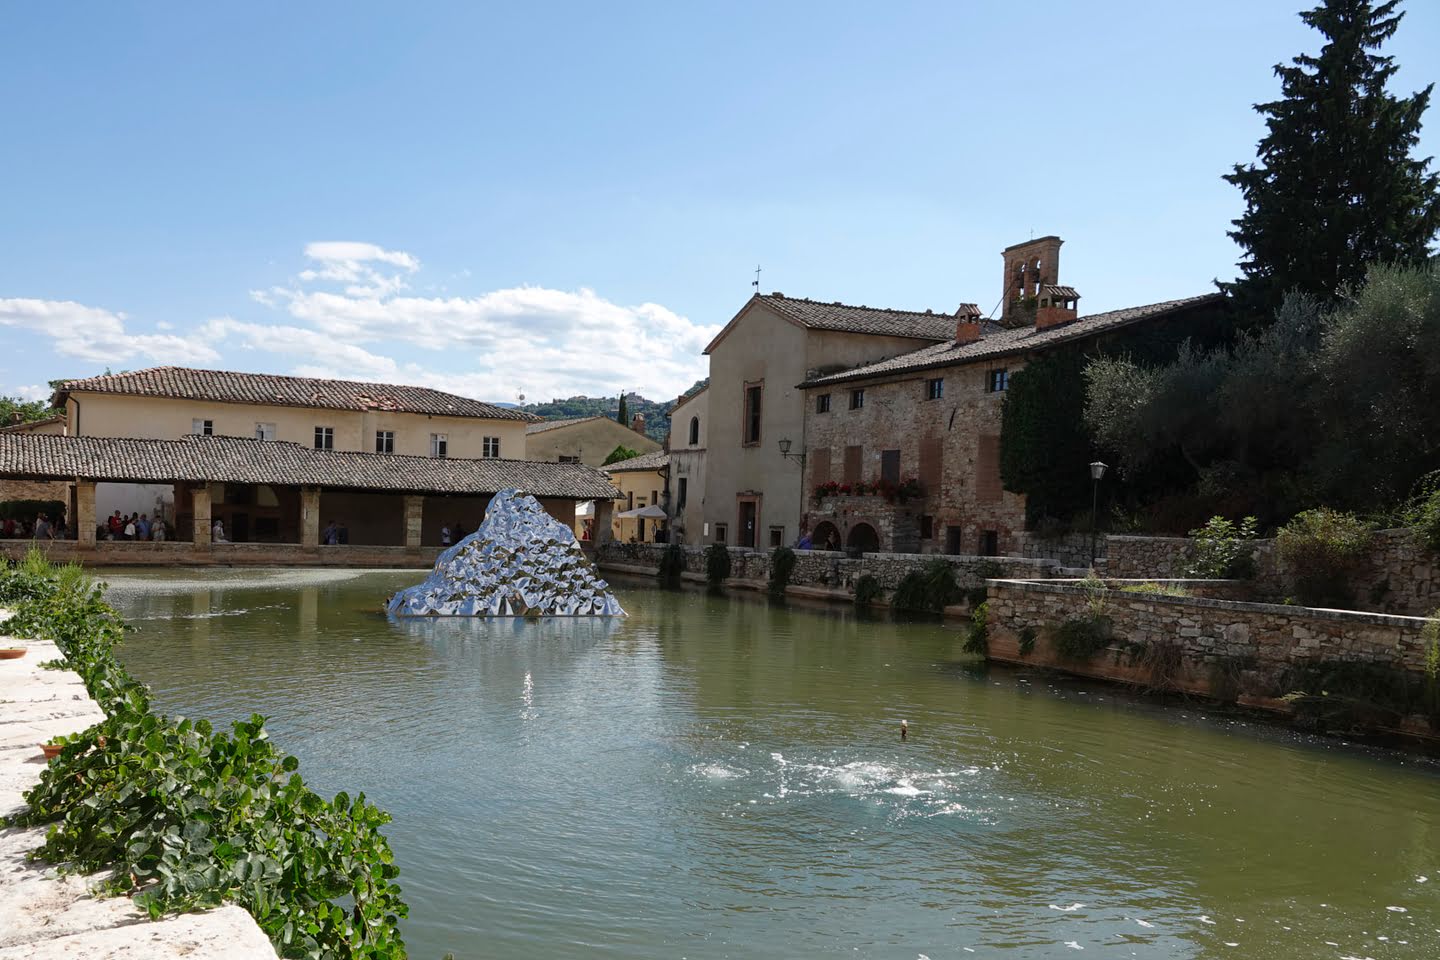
column 1029, row 268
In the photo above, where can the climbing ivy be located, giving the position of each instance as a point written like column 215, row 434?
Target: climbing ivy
column 185, row 817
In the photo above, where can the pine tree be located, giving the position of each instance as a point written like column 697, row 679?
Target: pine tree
column 1335, row 187
column 622, row 416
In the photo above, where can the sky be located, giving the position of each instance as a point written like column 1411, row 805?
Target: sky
column 558, row 199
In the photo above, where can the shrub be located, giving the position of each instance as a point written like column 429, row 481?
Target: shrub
column 977, row 634
column 1322, row 549
column 1223, row 550
column 782, row 565
column 1427, row 521
column 672, row 565
column 1430, row 635
column 1027, row 641
column 1096, row 593
column 867, row 590
column 931, row 588
column 717, row 564
column 1080, row 638
column 1156, row 589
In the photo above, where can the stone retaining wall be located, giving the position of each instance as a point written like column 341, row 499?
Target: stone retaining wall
column 47, row 916
column 121, row 553
column 1218, row 648
column 1069, row 549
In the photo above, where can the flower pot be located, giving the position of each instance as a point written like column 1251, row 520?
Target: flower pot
column 12, row 653
column 52, row 750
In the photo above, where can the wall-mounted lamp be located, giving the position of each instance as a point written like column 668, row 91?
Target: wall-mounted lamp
column 785, row 452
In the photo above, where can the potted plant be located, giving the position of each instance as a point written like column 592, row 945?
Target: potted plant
column 11, row 653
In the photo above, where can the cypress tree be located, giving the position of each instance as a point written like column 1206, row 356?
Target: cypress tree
column 622, row 416
column 1335, row 187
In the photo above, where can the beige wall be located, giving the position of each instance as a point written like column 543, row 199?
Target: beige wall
column 765, row 346
column 647, row 487
column 591, row 441
column 687, row 462
column 159, row 418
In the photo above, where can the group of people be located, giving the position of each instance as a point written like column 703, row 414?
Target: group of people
column 41, row 528
column 335, row 534
column 832, row 541
column 137, row 526
column 459, row 533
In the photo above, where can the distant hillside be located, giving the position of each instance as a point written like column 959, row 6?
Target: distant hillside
column 657, row 413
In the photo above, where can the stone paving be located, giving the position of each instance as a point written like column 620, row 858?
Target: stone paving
column 44, row 915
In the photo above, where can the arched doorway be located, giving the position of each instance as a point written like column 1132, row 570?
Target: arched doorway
column 824, row 532
column 863, row 538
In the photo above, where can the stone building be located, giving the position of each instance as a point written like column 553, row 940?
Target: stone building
column 754, row 483
column 903, row 454
column 586, row 440
column 165, row 403
column 42, row 490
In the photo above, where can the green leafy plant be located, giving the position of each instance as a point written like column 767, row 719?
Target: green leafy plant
column 621, row 452
column 672, row 565
column 977, row 634
column 782, row 566
column 1156, row 589
column 1430, row 636
column 931, row 588
column 1427, row 519
column 1223, row 549
column 1322, row 549
column 1027, row 641
column 867, row 590
column 184, row 817
column 717, row 564
column 1080, row 638
column 1096, row 594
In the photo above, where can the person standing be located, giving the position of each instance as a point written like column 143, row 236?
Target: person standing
column 331, row 536
column 117, row 525
column 130, row 528
column 445, row 535
column 42, row 528
column 157, row 530
column 217, row 532
column 142, row 527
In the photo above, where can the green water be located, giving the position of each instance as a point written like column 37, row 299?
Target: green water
column 714, row 777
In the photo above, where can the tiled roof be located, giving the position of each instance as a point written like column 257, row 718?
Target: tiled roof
column 658, row 460
column 690, row 394
column 228, row 386
column 845, row 318
column 998, row 341
column 1061, row 293
column 28, row 426
column 242, row 460
column 545, row 425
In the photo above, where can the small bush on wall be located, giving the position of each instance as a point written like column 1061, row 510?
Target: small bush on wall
column 1224, row 550
column 867, row 590
column 717, row 564
column 1322, row 550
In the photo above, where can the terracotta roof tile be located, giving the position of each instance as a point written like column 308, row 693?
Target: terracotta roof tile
column 199, row 459
column 545, row 425
column 880, row 321
column 658, row 460
column 228, row 386
column 997, row 341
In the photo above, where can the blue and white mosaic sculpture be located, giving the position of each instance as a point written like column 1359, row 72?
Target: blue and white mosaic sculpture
column 522, row 562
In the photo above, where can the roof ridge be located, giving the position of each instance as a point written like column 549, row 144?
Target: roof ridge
column 850, row 306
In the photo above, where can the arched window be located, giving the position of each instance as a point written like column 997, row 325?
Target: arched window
column 694, row 431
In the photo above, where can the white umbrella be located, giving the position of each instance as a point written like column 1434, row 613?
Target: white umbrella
column 651, row 512
column 585, row 510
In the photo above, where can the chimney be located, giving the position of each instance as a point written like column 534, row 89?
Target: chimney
column 1057, row 305
column 637, row 423
column 967, row 323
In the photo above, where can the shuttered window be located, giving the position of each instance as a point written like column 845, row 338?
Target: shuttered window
column 932, row 459
column 854, row 457
column 987, row 469
column 820, row 466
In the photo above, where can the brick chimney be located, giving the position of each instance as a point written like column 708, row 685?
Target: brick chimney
column 967, row 323
column 1057, row 305
column 637, row 423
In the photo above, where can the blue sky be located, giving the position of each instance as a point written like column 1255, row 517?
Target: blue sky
column 567, row 198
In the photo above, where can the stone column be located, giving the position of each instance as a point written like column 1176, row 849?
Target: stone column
column 414, row 513
column 309, row 516
column 200, row 498
column 84, row 518
column 604, row 515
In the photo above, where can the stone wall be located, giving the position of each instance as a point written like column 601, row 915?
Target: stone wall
column 1398, row 576
column 1068, row 549
column 825, row 568
column 183, row 553
column 1220, row 648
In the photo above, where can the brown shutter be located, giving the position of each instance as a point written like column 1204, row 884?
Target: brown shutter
column 819, row 466
column 853, row 463
column 987, row 469
column 932, row 459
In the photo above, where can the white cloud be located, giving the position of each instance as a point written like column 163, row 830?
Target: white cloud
column 33, row 391
column 99, row 335
column 352, row 263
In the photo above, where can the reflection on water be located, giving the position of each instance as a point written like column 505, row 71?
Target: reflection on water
column 714, row 777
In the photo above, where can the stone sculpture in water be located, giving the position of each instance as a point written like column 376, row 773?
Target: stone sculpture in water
column 522, row 562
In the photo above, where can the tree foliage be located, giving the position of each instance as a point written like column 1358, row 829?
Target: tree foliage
column 1041, row 430
column 1335, row 187
column 621, row 452
column 27, row 410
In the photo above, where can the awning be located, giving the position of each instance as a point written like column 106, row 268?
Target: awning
column 651, row 512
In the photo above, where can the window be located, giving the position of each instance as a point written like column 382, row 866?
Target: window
column 890, row 466
column 263, row 431
column 999, row 380
column 324, row 438
column 680, row 497
column 654, row 496
column 630, row 500
column 751, row 427
column 927, row 527
column 384, row 441
column 720, row 532
column 854, row 463
column 439, row 444
column 694, row 431
column 490, row 448
column 857, row 399
column 822, row 403
column 935, row 389
column 202, row 428
column 989, row 543
column 565, row 459
column 777, row 536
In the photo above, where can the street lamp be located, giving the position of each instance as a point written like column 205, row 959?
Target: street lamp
column 1097, row 473
column 785, row 452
